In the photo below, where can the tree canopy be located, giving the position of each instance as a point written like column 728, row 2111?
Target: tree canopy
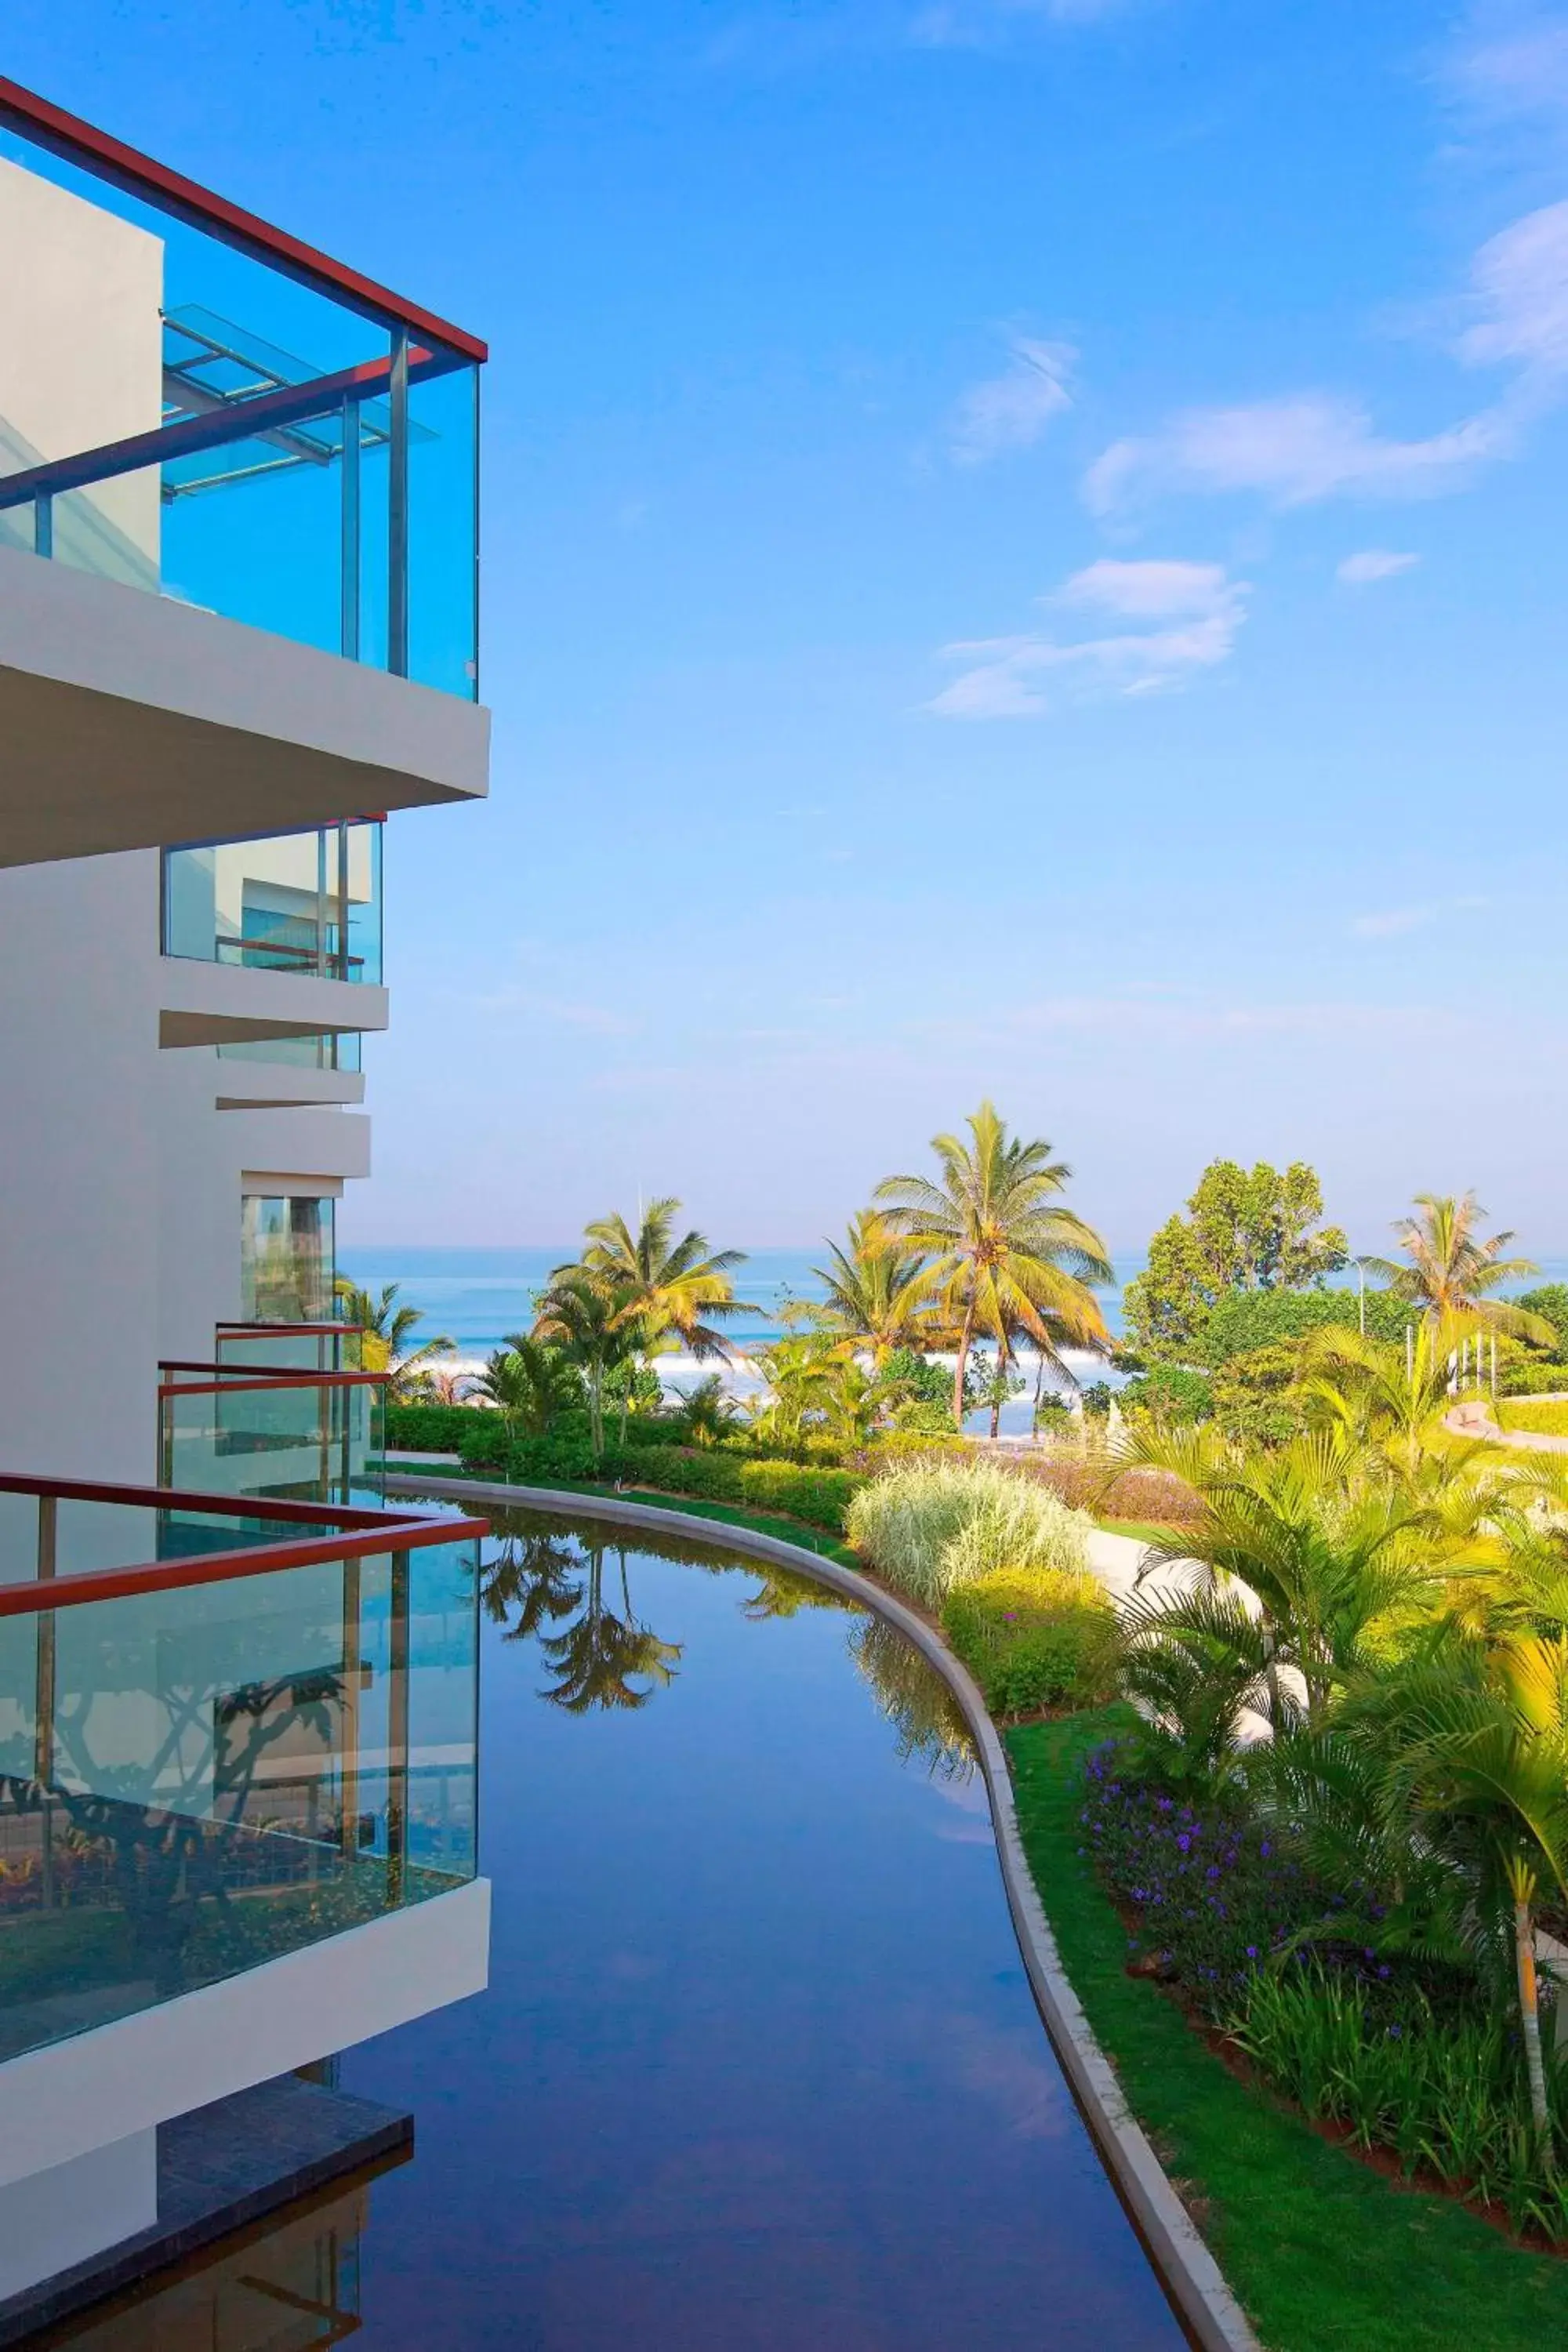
column 1243, row 1231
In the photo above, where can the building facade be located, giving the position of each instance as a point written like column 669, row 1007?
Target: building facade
column 238, row 539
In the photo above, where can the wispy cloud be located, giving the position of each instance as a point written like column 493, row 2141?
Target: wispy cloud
column 555, row 1012
column 1394, row 922
column 1011, row 411
column 970, row 24
column 1308, row 445
column 1371, row 564
column 1505, row 72
column 1197, row 608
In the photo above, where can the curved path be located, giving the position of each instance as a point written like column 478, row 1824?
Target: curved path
column 1472, row 1419
column 1191, row 2276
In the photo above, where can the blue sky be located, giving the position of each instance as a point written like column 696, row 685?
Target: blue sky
column 1025, row 553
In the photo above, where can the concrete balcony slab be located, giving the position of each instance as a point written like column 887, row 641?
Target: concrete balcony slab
column 130, row 720
column 224, row 1003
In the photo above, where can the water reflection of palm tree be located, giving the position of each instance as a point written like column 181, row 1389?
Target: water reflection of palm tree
column 926, row 1717
column 598, row 1658
column 535, row 1574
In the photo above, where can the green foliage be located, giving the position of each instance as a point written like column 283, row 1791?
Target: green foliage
column 1522, row 1379
column 1034, row 1639
column 1251, row 1397
column 1550, row 1303
column 1324, row 2252
column 937, row 1524
column 1548, row 1420
column 1170, row 1393
column 433, row 1428
column 1242, row 1320
column 1243, row 1231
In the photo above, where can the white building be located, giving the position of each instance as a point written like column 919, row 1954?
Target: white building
column 237, row 629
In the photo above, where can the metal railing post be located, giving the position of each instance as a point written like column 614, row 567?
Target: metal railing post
column 397, row 511
column 350, row 557
column 42, row 522
column 397, row 1735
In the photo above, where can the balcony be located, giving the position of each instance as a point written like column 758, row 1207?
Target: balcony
column 300, row 909
column 239, row 516
column 224, row 1737
column 272, row 1431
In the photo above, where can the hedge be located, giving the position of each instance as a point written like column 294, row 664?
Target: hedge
column 818, row 1495
column 433, row 1428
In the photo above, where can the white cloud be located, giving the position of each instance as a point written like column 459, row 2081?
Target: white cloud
column 1012, row 410
column 1020, row 677
column 1394, row 922
column 1308, row 446
column 1513, row 74
column 1372, row 563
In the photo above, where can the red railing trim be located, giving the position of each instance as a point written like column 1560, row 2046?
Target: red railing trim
column 264, row 1376
column 33, row 1598
column 348, row 1516
column 110, row 159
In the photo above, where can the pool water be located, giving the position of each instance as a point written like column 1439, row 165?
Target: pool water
column 759, row 2065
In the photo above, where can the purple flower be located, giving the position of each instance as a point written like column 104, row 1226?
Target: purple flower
column 1184, row 1842
column 1252, row 1951
column 1266, row 1849
column 1395, row 2032
column 1213, row 1870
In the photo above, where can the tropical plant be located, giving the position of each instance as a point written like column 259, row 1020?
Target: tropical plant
column 435, row 1384
column 592, row 1322
column 1452, row 1271
column 672, row 1289
column 1242, row 1233
column 800, row 1371
column 707, row 1412
column 385, row 1330
column 531, row 1382
column 1006, row 1258
column 877, row 1290
column 601, row 1659
column 930, row 1526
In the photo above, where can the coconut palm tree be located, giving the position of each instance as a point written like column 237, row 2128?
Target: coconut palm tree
column 877, row 1290
column 1007, row 1257
column 385, row 1330
column 1452, row 1271
column 591, row 1320
column 672, row 1288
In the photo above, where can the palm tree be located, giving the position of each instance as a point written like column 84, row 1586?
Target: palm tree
column 1332, row 1552
column 531, row 1382
column 385, row 1330
column 591, row 1321
column 878, row 1290
column 1452, row 1271
column 671, row 1286
column 1007, row 1257
column 707, row 1413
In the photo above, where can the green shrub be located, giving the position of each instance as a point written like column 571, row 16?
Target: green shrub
column 1035, row 1639
column 1550, row 1302
column 1252, row 1400
column 935, row 1524
column 820, row 1497
column 433, row 1428
column 1529, row 1379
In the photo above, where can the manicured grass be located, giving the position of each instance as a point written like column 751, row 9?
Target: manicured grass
column 1547, row 1415
column 1324, row 2253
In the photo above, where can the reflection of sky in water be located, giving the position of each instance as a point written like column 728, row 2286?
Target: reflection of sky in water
column 759, row 2065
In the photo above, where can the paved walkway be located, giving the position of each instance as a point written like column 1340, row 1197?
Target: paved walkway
column 1472, row 1419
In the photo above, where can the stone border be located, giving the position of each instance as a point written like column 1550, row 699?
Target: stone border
column 1188, row 2271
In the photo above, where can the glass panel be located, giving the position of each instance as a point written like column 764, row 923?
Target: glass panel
column 442, row 531
column 193, row 1782
column 339, row 1052
column 293, row 1439
column 300, row 902
column 204, row 425
column 287, row 1259
column 277, row 1347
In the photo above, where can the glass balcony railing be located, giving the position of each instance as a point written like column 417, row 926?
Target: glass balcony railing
column 223, row 1737
column 308, row 903
column 288, row 1259
column 321, row 1347
column 271, row 1430
column 224, row 417
column 337, row 1052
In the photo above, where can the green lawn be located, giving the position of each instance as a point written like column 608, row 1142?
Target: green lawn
column 1325, row 2255
column 1548, row 1414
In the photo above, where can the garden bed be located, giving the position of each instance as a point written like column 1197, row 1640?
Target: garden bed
column 1326, row 2253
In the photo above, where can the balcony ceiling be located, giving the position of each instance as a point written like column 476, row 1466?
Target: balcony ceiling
column 130, row 720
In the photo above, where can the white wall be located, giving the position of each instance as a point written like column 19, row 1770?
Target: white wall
column 57, row 2219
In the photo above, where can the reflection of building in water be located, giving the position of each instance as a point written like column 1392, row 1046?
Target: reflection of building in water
column 285, row 2285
